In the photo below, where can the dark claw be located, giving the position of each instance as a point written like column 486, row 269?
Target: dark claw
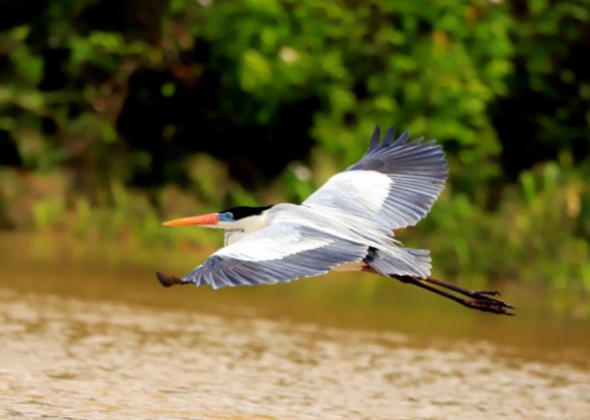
column 485, row 298
column 495, row 306
column 168, row 280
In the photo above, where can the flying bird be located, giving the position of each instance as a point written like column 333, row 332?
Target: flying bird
column 346, row 225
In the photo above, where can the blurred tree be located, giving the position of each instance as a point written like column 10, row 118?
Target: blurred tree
column 205, row 77
column 548, row 109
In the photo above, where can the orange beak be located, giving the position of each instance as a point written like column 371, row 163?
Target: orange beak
column 205, row 220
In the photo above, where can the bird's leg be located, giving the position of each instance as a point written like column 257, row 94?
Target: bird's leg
column 486, row 304
column 475, row 294
column 168, row 280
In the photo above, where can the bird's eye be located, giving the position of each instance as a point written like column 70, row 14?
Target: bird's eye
column 227, row 216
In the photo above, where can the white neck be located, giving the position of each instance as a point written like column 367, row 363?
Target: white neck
column 234, row 231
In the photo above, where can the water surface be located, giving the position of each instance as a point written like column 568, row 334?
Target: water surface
column 90, row 335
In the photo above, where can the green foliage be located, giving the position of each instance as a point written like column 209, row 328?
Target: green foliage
column 373, row 61
column 552, row 47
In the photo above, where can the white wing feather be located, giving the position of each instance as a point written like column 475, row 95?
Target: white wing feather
column 394, row 183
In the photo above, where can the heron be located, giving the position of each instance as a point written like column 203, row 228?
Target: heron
column 348, row 224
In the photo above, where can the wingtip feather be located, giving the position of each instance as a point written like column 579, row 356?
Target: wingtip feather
column 402, row 139
column 168, row 280
column 389, row 136
column 375, row 138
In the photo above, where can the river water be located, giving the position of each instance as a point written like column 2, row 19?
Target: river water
column 86, row 338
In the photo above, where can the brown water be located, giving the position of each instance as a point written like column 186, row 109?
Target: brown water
column 94, row 338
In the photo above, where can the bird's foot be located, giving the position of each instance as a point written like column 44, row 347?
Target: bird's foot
column 486, row 300
column 492, row 305
column 490, row 297
column 168, row 280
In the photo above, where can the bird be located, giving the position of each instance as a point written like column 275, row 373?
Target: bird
column 348, row 224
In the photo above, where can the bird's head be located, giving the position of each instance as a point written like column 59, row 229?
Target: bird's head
column 233, row 218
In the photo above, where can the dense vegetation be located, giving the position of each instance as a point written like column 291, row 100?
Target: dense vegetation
column 116, row 114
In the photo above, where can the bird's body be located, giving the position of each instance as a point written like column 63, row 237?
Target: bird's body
column 346, row 225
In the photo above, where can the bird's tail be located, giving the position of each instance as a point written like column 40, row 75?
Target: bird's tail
column 401, row 261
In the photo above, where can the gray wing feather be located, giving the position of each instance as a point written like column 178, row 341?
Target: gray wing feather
column 375, row 139
column 389, row 136
column 243, row 263
column 416, row 173
column 400, row 261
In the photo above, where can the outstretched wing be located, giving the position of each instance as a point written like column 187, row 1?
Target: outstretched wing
column 395, row 182
column 278, row 253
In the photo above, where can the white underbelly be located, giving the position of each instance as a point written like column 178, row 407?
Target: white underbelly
column 355, row 266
